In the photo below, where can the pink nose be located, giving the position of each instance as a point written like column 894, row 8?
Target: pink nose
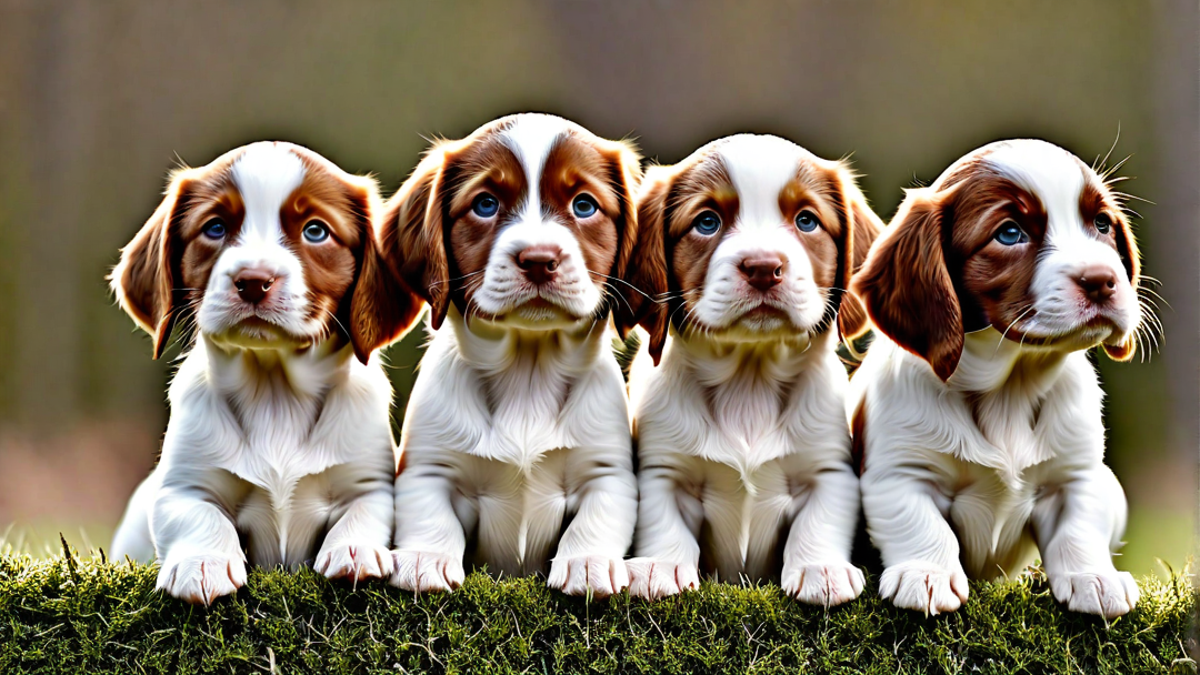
column 540, row 263
column 764, row 271
column 1098, row 283
column 253, row 285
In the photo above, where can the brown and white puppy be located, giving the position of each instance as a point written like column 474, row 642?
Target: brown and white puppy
column 279, row 442
column 743, row 446
column 516, row 444
column 977, row 410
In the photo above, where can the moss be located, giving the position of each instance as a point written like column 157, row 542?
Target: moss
column 69, row 615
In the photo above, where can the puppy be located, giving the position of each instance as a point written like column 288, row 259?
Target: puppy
column 743, row 446
column 279, row 439
column 977, row 411
column 516, row 450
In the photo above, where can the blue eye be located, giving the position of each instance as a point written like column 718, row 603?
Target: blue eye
column 707, row 223
column 315, row 232
column 584, row 206
column 485, row 205
column 1103, row 223
column 214, row 229
column 807, row 221
column 1010, row 234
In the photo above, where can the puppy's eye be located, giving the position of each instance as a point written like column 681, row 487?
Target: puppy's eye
column 1010, row 234
column 707, row 223
column 807, row 221
column 315, row 232
column 584, row 206
column 485, row 205
column 214, row 229
column 1103, row 223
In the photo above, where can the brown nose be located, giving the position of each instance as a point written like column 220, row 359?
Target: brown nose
column 764, row 272
column 540, row 263
column 252, row 285
column 1098, row 282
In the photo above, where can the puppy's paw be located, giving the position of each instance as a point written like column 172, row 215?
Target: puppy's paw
column 825, row 584
column 1108, row 594
column 355, row 562
column 654, row 578
column 200, row 579
column 924, row 586
column 422, row 571
column 600, row 575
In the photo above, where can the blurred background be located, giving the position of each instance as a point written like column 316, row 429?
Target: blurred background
column 99, row 100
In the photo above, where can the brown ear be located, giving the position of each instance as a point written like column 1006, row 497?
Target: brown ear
column 907, row 287
column 382, row 308
column 144, row 279
column 412, row 235
column 625, row 175
column 862, row 227
column 1128, row 250
column 647, row 270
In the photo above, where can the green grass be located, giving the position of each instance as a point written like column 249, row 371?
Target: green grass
column 72, row 615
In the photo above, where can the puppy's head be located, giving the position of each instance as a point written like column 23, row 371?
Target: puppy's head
column 270, row 246
column 525, row 222
column 1018, row 235
column 750, row 238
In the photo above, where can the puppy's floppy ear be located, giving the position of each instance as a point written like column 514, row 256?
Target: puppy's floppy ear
column 1131, row 259
column 647, row 269
column 381, row 307
column 906, row 285
column 862, row 227
column 144, row 279
column 625, row 175
column 412, row 234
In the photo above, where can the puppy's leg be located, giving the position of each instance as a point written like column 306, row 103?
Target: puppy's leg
column 591, row 553
column 133, row 539
column 356, row 547
column 922, row 570
column 429, row 540
column 1078, row 526
column 816, row 559
column 668, row 553
column 197, row 542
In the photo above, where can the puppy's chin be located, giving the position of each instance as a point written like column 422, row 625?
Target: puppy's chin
column 258, row 333
column 535, row 314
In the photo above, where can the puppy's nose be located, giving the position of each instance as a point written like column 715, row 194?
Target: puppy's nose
column 1098, row 282
column 540, row 263
column 764, row 272
column 253, row 285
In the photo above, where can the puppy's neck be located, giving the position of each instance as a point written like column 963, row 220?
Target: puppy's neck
column 494, row 348
column 991, row 363
column 717, row 362
column 299, row 372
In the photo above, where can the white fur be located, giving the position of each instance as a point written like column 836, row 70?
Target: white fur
column 964, row 478
column 286, row 446
column 519, row 426
column 741, row 427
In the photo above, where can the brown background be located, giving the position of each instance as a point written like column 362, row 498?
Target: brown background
column 98, row 100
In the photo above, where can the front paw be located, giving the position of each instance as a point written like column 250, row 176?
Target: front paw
column 924, row 586
column 355, row 562
column 1108, row 594
column 825, row 584
column 654, row 578
column 423, row 571
column 200, row 579
column 598, row 575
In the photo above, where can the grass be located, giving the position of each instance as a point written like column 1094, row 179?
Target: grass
column 80, row 615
